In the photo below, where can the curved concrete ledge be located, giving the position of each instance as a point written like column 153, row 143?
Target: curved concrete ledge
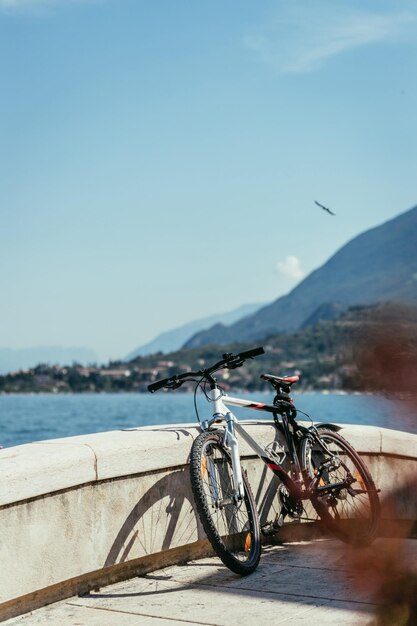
column 86, row 511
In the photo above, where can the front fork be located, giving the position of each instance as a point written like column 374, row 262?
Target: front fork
column 231, row 444
column 221, row 414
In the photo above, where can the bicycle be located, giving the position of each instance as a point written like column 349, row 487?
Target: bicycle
column 323, row 469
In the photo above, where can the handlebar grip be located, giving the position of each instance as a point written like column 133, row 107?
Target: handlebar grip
column 158, row 384
column 249, row 354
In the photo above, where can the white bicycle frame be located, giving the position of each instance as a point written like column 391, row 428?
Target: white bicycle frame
column 222, row 414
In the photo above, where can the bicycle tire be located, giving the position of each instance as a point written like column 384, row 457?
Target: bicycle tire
column 231, row 527
column 351, row 514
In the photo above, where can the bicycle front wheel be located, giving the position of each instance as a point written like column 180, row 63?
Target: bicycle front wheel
column 230, row 523
column 350, row 509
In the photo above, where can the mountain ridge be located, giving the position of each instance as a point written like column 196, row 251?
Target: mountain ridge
column 377, row 265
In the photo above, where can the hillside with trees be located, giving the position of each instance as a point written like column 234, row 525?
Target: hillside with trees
column 330, row 354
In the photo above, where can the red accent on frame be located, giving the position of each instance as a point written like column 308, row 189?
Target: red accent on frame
column 274, row 466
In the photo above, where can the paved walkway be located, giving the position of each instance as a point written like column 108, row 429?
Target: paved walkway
column 303, row 583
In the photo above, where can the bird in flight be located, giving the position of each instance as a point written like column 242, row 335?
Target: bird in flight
column 324, row 208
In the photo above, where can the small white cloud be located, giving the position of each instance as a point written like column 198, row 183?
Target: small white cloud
column 304, row 35
column 290, row 267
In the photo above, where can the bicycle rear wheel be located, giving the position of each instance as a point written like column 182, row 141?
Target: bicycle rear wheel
column 231, row 524
column 350, row 512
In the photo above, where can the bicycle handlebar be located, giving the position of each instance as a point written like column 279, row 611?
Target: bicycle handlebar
column 173, row 382
column 229, row 361
column 250, row 354
column 158, row 384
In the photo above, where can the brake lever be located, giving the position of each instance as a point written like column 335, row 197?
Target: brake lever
column 175, row 383
column 234, row 363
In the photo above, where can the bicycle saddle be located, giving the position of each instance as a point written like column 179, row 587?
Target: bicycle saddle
column 280, row 382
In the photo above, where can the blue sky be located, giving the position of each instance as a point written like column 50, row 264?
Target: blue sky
column 159, row 161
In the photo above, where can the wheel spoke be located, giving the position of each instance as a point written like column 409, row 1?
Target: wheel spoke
column 351, row 508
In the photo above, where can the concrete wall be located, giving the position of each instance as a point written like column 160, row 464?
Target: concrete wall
column 81, row 512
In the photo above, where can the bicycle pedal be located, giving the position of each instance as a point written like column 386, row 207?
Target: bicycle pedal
column 270, row 529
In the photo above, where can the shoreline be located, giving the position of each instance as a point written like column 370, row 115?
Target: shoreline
column 318, row 391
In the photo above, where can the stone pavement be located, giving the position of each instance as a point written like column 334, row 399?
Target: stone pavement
column 303, row 583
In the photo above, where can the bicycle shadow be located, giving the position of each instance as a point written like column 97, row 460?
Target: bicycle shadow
column 163, row 517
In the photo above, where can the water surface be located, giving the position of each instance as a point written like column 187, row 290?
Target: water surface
column 26, row 418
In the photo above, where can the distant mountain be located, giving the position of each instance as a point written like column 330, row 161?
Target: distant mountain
column 379, row 265
column 172, row 340
column 25, row 358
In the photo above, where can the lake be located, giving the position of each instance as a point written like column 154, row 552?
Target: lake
column 26, row 418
